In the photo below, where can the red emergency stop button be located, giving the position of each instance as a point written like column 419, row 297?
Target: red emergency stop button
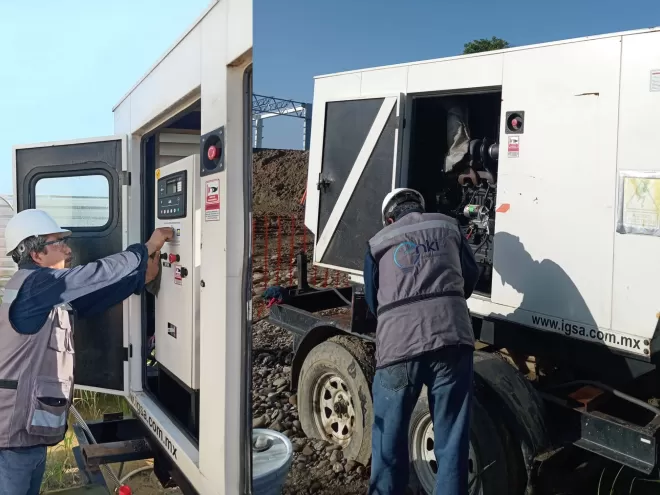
column 174, row 258
column 515, row 122
column 125, row 490
column 213, row 153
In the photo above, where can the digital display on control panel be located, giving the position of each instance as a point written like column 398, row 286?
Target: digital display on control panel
column 172, row 195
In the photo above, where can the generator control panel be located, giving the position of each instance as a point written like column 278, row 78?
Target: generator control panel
column 172, row 195
column 177, row 302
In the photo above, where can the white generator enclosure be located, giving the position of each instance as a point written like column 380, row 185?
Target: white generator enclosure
column 180, row 157
column 545, row 155
column 177, row 300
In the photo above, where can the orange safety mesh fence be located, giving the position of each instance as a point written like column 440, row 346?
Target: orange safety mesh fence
column 276, row 241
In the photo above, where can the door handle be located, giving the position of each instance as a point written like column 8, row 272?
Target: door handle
column 322, row 184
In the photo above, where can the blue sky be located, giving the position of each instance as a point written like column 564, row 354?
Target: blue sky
column 64, row 64
column 296, row 40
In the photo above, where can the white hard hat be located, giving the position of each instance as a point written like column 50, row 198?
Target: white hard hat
column 28, row 223
column 397, row 196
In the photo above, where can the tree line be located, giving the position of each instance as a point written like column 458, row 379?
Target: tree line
column 485, row 45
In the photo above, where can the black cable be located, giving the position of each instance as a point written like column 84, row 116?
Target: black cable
column 481, row 245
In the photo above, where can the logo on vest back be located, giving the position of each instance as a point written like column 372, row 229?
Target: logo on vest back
column 408, row 254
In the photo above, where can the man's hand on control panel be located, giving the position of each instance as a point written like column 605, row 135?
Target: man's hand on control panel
column 159, row 238
column 153, row 266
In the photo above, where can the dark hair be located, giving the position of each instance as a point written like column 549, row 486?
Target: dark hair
column 23, row 252
column 402, row 209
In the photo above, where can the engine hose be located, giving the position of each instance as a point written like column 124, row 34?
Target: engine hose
column 134, row 472
column 617, row 393
column 109, row 472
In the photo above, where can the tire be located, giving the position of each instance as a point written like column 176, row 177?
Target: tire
column 297, row 339
column 334, row 395
column 488, row 459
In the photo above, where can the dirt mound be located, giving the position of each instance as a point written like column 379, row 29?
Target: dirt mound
column 279, row 181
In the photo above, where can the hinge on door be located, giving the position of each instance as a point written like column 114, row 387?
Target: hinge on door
column 128, row 352
column 403, row 125
column 125, row 178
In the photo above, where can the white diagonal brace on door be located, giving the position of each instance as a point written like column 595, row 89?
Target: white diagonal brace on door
column 354, row 176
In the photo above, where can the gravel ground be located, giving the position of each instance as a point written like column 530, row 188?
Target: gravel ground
column 318, row 467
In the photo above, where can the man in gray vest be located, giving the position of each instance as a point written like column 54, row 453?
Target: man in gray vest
column 419, row 270
column 36, row 335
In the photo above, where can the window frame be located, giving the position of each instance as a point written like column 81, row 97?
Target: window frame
column 71, row 173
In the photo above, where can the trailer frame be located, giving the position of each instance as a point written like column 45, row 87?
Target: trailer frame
column 577, row 419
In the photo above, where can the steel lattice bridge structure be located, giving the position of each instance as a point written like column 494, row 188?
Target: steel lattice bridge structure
column 264, row 107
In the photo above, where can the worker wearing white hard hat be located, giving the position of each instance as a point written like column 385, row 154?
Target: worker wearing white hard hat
column 36, row 334
column 418, row 272
column 400, row 199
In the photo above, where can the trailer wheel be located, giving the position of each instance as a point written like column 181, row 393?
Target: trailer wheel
column 297, row 339
column 334, row 395
column 488, row 460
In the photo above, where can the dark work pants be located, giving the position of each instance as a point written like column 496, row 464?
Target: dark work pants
column 447, row 374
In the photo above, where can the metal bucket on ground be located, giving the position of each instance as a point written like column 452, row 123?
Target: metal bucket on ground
column 272, row 454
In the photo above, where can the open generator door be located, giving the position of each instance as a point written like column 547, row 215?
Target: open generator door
column 80, row 183
column 360, row 165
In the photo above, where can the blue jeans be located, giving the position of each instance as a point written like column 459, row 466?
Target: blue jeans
column 21, row 470
column 447, row 374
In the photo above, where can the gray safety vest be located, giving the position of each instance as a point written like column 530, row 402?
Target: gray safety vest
column 36, row 376
column 421, row 303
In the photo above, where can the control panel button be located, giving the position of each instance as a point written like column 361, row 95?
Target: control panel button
column 163, row 256
column 174, row 258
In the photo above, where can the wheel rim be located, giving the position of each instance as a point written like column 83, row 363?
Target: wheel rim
column 335, row 412
column 425, row 463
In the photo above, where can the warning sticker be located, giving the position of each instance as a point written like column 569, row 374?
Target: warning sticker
column 177, row 275
column 212, row 202
column 639, row 203
column 655, row 81
column 514, row 146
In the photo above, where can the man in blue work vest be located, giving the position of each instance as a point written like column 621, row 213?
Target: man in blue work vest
column 36, row 335
column 419, row 270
